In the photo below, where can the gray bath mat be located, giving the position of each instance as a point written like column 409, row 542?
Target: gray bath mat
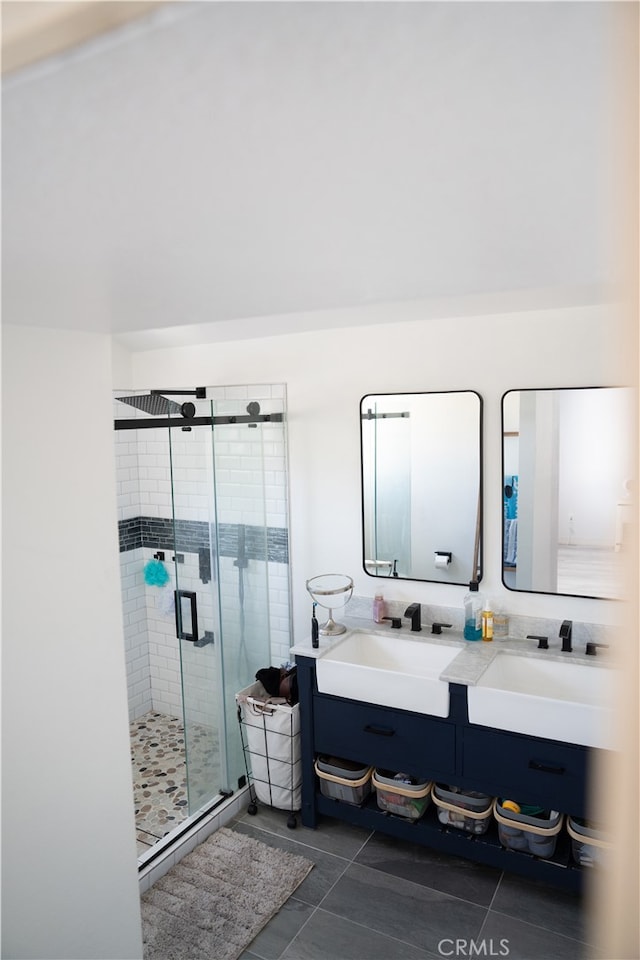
column 213, row 903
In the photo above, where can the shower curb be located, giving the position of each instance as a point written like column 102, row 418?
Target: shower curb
column 189, row 838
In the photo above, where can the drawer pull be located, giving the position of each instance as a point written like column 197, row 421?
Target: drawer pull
column 379, row 731
column 545, row 767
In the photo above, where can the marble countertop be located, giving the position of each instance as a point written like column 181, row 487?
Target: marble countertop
column 472, row 660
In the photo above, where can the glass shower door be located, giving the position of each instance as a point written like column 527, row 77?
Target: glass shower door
column 246, row 458
column 229, row 518
column 197, row 608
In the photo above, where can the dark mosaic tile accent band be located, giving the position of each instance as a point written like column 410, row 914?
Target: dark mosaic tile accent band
column 130, row 534
column 193, row 535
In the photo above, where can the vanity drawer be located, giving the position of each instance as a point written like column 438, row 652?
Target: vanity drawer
column 526, row 768
column 392, row 739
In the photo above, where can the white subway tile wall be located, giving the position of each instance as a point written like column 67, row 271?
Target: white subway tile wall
column 249, row 477
column 136, row 639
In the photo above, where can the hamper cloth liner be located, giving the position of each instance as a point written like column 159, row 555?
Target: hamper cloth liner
column 273, row 743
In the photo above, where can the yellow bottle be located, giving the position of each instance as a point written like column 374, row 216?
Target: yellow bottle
column 487, row 624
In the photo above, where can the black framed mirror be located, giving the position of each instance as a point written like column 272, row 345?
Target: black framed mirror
column 568, row 491
column 421, row 456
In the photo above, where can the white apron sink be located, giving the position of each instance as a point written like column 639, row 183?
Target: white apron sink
column 393, row 671
column 566, row 701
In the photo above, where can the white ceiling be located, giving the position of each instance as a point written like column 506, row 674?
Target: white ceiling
column 35, row 29
column 222, row 162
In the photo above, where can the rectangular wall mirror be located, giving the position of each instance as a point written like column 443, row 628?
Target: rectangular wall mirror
column 422, row 485
column 568, row 490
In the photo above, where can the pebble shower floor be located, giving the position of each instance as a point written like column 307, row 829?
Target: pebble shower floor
column 159, row 776
column 159, row 773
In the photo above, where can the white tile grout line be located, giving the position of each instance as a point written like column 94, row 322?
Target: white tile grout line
column 352, row 861
column 315, row 906
column 495, row 892
column 510, row 916
column 536, row 926
column 294, row 839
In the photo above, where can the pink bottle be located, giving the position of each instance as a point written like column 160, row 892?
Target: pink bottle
column 379, row 608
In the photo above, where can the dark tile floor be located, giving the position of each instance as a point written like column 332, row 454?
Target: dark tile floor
column 371, row 897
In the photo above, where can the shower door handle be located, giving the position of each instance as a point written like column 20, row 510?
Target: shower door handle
column 191, row 596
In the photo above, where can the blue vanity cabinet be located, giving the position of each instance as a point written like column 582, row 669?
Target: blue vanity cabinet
column 423, row 747
column 449, row 750
column 511, row 765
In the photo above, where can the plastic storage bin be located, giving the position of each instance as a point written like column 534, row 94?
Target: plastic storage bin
column 589, row 846
column 529, row 834
column 344, row 780
column 408, row 800
column 462, row 810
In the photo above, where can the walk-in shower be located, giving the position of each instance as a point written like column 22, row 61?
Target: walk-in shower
column 203, row 529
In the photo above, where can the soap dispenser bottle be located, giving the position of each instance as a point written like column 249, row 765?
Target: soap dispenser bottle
column 379, row 608
column 473, row 606
column 487, row 621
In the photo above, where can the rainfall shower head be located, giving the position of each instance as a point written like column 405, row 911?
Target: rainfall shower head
column 151, row 403
column 157, row 405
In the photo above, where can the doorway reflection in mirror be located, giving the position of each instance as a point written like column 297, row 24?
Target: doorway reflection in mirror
column 421, row 485
column 566, row 462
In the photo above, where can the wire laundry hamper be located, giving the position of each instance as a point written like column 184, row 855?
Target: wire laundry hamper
column 270, row 735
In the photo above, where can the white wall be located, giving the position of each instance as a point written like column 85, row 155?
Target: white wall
column 595, row 461
column 69, row 863
column 328, row 372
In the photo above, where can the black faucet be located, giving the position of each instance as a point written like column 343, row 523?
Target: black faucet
column 396, row 622
column 592, row 648
column 565, row 633
column 543, row 642
column 413, row 611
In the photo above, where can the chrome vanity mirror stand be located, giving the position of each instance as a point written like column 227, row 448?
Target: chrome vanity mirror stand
column 331, row 590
